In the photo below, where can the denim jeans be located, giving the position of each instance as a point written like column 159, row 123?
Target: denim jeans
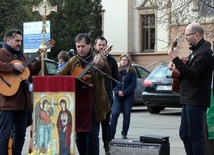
column 191, row 129
column 123, row 104
column 88, row 142
column 15, row 120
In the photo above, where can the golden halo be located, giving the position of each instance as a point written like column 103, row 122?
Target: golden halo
column 44, row 98
column 66, row 100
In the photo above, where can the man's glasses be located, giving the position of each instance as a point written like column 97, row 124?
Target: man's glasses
column 190, row 34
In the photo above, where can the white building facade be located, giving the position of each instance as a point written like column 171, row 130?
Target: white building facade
column 146, row 28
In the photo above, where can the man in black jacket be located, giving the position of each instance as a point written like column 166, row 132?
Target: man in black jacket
column 100, row 45
column 195, row 87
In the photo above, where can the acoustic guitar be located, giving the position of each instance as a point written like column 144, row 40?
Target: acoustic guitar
column 175, row 73
column 9, row 82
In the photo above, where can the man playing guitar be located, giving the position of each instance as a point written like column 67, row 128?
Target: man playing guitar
column 195, row 81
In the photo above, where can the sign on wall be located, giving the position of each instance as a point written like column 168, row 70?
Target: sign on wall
column 33, row 36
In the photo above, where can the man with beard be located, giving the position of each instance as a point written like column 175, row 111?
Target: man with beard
column 14, row 109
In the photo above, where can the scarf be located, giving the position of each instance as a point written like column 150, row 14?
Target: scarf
column 18, row 54
column 87, row 58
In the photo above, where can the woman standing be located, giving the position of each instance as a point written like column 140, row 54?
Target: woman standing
column 123, row 95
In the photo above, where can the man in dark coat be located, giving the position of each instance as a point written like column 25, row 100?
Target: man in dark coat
column 100, row 45
column 195, row 87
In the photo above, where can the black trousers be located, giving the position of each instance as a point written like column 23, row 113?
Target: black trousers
column 106, row 131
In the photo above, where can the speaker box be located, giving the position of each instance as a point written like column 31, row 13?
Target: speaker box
column 157, row 145
column 157, row 139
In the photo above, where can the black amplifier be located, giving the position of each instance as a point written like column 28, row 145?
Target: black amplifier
column 128, row 147
column 157, row 139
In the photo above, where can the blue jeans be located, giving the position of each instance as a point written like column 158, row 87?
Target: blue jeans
column 123, row 104
column 88, row 142
column 15, row 120
column 191, row 129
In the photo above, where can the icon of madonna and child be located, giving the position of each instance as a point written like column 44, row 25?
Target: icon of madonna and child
column 54, row 124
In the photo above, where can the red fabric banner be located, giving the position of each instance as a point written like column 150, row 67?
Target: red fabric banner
column 54, row 84
column 83, row 96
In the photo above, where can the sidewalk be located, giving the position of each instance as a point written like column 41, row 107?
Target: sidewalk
column 142, row 123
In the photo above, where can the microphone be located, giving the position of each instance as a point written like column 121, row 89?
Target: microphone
column 71, row 52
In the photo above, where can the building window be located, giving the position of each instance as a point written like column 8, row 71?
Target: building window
column 206, row 7
column 148, row 33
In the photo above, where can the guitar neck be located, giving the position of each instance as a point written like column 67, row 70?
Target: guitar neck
column 31, row 59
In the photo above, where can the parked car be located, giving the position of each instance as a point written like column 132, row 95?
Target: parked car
column 142, row 74
column 157, row 90
column 50, row 67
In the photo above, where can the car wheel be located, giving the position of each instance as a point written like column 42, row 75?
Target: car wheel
column 154, row 109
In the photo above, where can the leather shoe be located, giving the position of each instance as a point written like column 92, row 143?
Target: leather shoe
column 124, row 136
column 107, row 152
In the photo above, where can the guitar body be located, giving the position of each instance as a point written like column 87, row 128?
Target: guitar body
column 11, row 86
column 10, row 146
column 175, row 84
column 175, row 76
column 9, row 82
column 79, row 73
column 30, row 149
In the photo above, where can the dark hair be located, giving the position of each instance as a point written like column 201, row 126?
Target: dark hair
column 64, row 56
column 63, row 101
column 12, row 32
column 101, row 38
column 82, row 36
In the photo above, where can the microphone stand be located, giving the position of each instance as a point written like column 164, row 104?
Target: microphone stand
column 95, row 68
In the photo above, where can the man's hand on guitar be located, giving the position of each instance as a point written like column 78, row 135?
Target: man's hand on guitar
column 98, row 61
column 19, row 67
column 171, row 66
column 173, row 53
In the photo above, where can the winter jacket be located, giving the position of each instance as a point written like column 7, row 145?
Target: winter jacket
column 128, row 82
column 195, row 75
column 22, row 98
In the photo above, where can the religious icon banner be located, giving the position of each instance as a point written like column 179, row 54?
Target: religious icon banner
column 54, row 115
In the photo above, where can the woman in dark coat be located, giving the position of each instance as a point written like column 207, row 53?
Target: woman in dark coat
column 123, row 95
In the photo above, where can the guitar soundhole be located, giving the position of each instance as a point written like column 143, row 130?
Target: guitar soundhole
column 15, row 72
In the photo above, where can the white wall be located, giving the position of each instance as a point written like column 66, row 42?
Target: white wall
column 116, row 24
column 121, row 26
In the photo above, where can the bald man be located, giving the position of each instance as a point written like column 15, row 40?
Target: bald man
column 195, row 81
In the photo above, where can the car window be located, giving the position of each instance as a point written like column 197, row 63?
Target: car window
column 143, row 73
column 160, row 71
column 51, row 67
